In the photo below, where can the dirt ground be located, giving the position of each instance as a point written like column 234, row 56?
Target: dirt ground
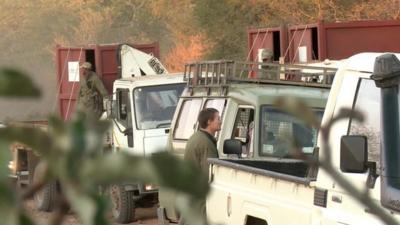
column 146, row 216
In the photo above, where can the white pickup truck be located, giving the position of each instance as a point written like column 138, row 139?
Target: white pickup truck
column 289, row 191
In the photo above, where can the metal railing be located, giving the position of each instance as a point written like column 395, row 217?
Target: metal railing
column 222, row 73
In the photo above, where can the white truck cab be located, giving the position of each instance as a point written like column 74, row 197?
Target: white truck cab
column 145, row 106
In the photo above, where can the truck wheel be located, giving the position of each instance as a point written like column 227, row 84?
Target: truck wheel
column 46, row 197
column 123, row 205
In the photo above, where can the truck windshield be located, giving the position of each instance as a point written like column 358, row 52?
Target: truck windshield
column 155, row 105
column 280, row 130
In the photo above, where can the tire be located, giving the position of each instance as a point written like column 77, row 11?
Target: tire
column 45, row 198
column 123, row 205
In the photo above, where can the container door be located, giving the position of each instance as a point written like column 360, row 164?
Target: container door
column 259, row 39
column 67, row 61
column 106, row 65
column 301, row 49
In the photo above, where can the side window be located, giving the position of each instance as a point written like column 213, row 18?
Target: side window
column 243, row 129
column 123, row 106
column 367, row 102
column 187, row 119
column 218, row 104
column 278, row 130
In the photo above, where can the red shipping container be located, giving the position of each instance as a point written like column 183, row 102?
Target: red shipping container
column 341, row 40
column 329, row 40
column 105, row 64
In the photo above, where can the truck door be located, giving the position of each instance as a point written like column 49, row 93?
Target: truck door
column 123, row 131
column 367, row 101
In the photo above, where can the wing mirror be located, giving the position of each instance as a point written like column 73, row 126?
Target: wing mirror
column 353, row 154
column 232, row 146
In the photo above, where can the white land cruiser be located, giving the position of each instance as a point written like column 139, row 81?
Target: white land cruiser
column 244, row 94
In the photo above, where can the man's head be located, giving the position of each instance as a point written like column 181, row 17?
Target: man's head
column 86, row 66
column 210, row 120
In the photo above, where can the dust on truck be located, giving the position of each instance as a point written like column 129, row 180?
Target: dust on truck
column 364, row 153
column 141, row 106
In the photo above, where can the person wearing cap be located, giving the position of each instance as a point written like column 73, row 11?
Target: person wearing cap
column 267, row 56
column 91, row 92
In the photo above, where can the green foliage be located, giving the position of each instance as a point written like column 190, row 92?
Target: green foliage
column 71, row 153
column 14, row 83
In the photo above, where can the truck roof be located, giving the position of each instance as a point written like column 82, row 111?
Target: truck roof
column 309, row 82
column 266, row 94
column 152, row 79
column 363, row 62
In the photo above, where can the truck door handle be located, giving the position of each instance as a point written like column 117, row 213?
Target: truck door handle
column 337, row 198
column 229, row 205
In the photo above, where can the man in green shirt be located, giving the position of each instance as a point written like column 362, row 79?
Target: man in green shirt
column 202, row 144
column 91, row 92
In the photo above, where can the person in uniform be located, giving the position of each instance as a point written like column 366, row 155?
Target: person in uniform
column 267, row 72
column 91, row 92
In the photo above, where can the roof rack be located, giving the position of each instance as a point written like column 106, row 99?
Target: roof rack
column 222, row 73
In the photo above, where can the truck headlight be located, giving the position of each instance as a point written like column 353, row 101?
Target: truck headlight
column 149, row 187
column 11, row 165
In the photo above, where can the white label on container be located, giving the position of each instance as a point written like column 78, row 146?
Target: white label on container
column 73, row 71
column 302, row 54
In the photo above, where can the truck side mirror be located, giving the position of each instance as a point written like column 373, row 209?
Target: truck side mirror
column 232, row 146
column 353, row 154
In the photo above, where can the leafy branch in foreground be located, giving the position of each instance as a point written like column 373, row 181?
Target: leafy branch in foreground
column 71, row 154
column 14, row 83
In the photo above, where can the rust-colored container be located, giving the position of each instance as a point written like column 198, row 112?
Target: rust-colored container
column 105, row 64
column 340, row 40
column 273, row 39
column 323, row 40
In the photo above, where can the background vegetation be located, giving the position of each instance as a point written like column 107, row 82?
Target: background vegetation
column 186, row 30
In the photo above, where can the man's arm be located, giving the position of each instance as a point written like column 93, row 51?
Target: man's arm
column 100, row 87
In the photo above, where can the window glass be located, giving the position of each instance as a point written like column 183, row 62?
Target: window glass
column 243, row 129
column 279, row 130
column 218, row 104
column 124, row 107
column 187, row 118
column 367, row 102
column 155, row 105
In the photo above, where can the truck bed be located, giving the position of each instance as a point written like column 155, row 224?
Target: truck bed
column 259, row 191
column 290, row 170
